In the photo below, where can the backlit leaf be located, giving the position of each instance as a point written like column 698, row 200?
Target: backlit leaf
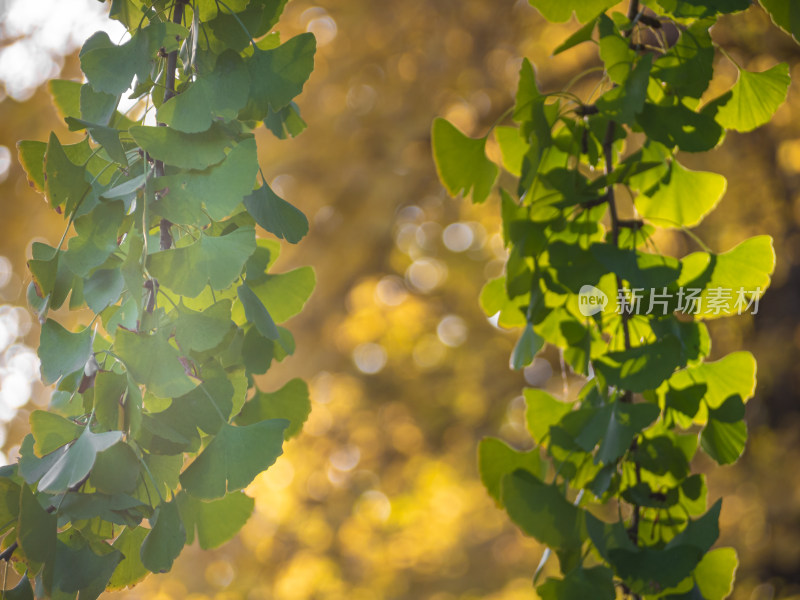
column 216, row 521
column 461, row 162
column 754, row 98
column 291, row 402
column 214, row 261
column 233, row 458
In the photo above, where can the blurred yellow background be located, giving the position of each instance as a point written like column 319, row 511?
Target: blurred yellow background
column 379, row 498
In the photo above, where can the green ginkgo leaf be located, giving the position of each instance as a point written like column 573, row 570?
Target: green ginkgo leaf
column 542, row 511
column 291, row 402
column 558, row 12
column 166, row 539
column 204, row 330
column 276, row 215
column 754, row 98
column 528, row 344
column 716, row 572
column 186, row 198
column 682, row 198
column 61, row 351
column 36, row 530
column 130, row 570
column 214, row 261
column 234, row 458
column 218, row 95
column 731, row 282
column 64, row 181
column 285, row 294
column 110, row 68
column 217, row 521
column 51, row 431
column 184, row 150
column 75, row 464
column 96, row 239
column 278, row 75
column 542, row 411
column 461, row 162
column 151, row 360
column 496, row 459
column 256, row 313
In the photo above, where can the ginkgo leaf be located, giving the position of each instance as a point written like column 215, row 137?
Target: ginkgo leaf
column 716, row 572
column 496, row 459
column 217, row 521
column 731, row 282
column 203, row 330
column 218, row 95
column 682, row 198
column 754, row 98
column 278, row 75
column 214, row 261
column 185, row 198
column 542, row 511
column 542, row 411
column 256, row 313
column 96, row 239
column 61, row 351
column 36, row 531
column 291, row 402
column 276, row 215
column 130, row 570
column 51, row 431
column 285, row 294
column 166, row 539
column 65, row 182
column 110, row 68
column 233, row 458
column 558, row 12
column 76, row 463
column 151, row 360
column 461, row 162
column 725, row 434
column 184, row 150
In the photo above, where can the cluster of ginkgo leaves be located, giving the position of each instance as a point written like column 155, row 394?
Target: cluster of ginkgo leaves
column 609, row 487
column 156, row 424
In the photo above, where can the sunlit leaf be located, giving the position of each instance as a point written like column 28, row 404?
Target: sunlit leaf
column 715, row 573
column 130, row 570
column 187, row 197
column 75, row 464
column 203, row 330
column 218, row 95
column 153, row 361
column 234, row 458
column 278, row 75
column 496, row 459
column 184, row 150
column 754, row 98
column 461, row 162
column 291, row 402
column 62, row 351
column 682, row 198
column 214, row 261
column 558, row 12
column 217, row 521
